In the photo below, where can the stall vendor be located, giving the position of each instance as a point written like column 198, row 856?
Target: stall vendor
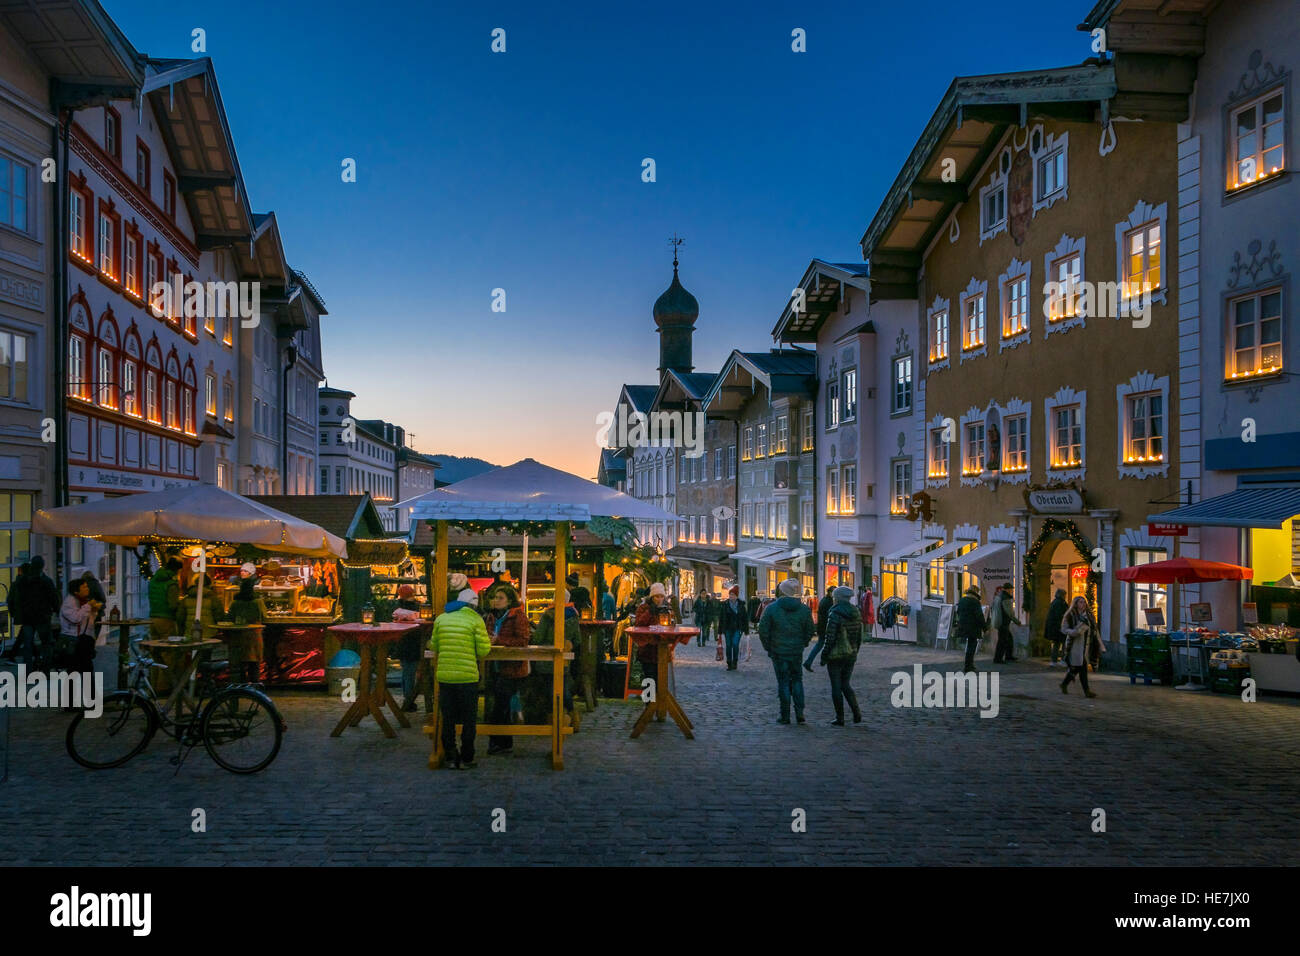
column 537, row 695
column 655, row 609
column 409, row 651
column 246, row 645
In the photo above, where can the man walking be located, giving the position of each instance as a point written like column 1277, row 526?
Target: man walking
column 734, row 623
column 785, row 629
column 1003, row 614
column 970, row 624
column 703, row 618
column 36, row 602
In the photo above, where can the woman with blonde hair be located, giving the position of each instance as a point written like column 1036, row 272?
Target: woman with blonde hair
column 1081, row 631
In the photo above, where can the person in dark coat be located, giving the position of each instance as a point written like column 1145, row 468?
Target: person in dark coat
column 754, row 605
column 36, row 600
column 96, row 589
column 15, row 615
column 970, row 624
column 1052, row 629
column 785, row 629
column 410, row 649
column 580, row 597
column 508, row 626
column 1003, row 615
column 733, row 623
column 704, row 618
column 840, row 652
column 824, row 608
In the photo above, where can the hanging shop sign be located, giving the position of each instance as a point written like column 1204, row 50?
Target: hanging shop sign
column 1061, row 500
column 1159, row 529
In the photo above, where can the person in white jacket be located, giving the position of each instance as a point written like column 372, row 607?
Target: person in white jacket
column 1080, row 630
column 77, row 624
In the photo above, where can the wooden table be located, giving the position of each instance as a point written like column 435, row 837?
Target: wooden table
column 373, row 694
column 182, row 669
column 665, row 703
column 592, row 631
column 556, row 729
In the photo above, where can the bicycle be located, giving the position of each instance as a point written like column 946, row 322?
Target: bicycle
column 236, row 720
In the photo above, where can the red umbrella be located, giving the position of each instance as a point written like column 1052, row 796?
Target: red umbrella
column 1184, row 571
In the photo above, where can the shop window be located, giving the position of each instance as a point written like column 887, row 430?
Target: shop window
column 1144, row 595
column 893, row 580
column 15, row 349
column 900, row 486
column 832, row 491
column 14, row 188
column 1254, row 345
column 1257, row 134
column 973, row 449
column 902, row 392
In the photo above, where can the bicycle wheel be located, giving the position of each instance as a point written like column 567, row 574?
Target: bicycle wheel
column 125, row 728
column 241, row 730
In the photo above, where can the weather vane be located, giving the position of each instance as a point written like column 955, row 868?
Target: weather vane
column 675, row 242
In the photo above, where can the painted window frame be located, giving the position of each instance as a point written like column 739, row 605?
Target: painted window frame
column 938, row 322
column 1017, row 409
column 1275, row 286
column 1066, row 396
column 938, row 470
column 1142, row 217
column 848, row 489
column 849, row 394
column 997, row 185
column 900, row 491
column 902, row 388
column 1016, row 272
column 1233, row 185
column 976, row 289
column 1052, row 145
column 1142, row 384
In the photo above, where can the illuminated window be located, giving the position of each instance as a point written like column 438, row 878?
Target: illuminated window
column 833, row 404
column 104, row 379
column 761, row 451
column 131, row 272
column 77, row 224
column 939, row 335
column 833, row 491
column 781, row 521
column 1255, row 334
column 151, row 397
column 771, row 520
column 1257, row 134
column 973, row 452
column 172, row 412
column 1067, row 436
column 781, row 440
column 1143, row 595
column 1015, row 446
column 130, row 400
column 973, row 322
column 746, row 513
column 806, row 523
column 938, row 467
column 850, row 390
column 1015, row 306
column 806, row 439
column 1145, row 421
column 1066, row 273
column 690, row 529
column 717, row 531
column 848, row 489
column 747, row 444
column 1142, row 259
column 106, row 232
column 900, row 486
column 210, row 394
column 902, row 391
column 760, row 519
column 153, row 273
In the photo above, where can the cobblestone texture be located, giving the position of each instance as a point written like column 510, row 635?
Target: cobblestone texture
column 1184, row 777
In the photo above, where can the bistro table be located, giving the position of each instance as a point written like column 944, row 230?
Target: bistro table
column 665, row 703
column 373, row 694
column 181, row 659
column 593, row 639
column 234, row 635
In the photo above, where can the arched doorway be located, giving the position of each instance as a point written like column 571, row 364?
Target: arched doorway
column 1060, row 557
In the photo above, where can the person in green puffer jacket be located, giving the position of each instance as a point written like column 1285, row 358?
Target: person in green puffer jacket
column 164, row 597
column 460, row 640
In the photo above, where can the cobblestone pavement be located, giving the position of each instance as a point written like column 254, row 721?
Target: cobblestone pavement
column 1184, row 778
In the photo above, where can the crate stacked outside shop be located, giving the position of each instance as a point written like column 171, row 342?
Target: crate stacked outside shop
column 1149, row 657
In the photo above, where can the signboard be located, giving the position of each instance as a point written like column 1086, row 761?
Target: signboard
column 1155, row 616
column 1201, row 612
column 1158, row 529
column 994, row 568
column 1250, row 613
column 1055, row 501
column 945, row 624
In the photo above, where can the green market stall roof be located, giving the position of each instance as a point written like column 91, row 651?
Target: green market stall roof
column 348, row 516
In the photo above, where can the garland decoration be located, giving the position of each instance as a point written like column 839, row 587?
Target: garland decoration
column 1056, row 526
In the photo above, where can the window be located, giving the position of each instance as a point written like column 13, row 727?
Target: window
column 77, row 229
column 169, row 195
column 848, row 489
column 973, row 322
column 113, row 133
column 105, row 395
column 761, row 451
column 807, row 438
column 806, row 524
column 228, row 401
column 1142, row 259
column 690, row 529
column 78, row 386
column 1050, row 174
column 1256, row 138
column 153, row 275
column 731, row 531
column 188, row 402
column 717, row 531
column 13, row 194
column 130, row 400
column 1145, row 420
column 902, row 394
column 210, row 326
column 781, row 521
column 939, row 335
column 131, row 272
column 938, row 467
column 339, row 487
column 1143, row 596
column 760, row 519
column 210, row 394
column 731, row 461
column 747, row 444
column 1015, row 306
column 746, row 512
column 1255, row 334
column 850, row 389
column 171, row 411
column 106, row 235
column 832, row 491
column 901, row 486
column 993, row 207
column 973, row 453
column 893, row 580
column 832, row 405
column 781, row 439
column 771, row 520
column 151, row 397
column 717, row 463
column 143, row 177
column 1067, row 437
column 15, row 348
column 228, row 333
column 1066, row 273
column 1015, row 446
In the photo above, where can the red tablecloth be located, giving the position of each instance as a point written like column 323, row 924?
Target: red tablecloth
column 373, row 633
column 662, row 635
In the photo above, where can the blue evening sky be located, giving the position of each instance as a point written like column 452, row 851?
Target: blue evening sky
column 522, row 171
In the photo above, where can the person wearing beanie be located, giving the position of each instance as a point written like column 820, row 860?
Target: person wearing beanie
column 734, row 622
column 840, row 652
column 537, row 690
column 1002, row 615
column 408, row 646
column 970, row 623
column 785, row 629
column 459, row 641
column 654, row 609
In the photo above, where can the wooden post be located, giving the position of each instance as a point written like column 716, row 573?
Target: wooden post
column 123, row 651
column 557, row 671
column 438, row 569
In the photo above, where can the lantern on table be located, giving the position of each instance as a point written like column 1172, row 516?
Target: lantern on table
column 368, row 614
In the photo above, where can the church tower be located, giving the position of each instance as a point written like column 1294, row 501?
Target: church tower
column 675, row 313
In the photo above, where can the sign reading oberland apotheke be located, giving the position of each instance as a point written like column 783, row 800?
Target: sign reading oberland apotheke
column 1055, row 500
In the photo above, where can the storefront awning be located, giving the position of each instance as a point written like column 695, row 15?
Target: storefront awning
column 1257, row 507
column 756, row 555
column 907, row 552
column 988, row 562
column 946, row 552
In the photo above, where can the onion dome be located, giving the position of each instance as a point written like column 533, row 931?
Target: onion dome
column 676, row 306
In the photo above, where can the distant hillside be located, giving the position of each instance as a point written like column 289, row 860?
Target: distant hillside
column 456, row 469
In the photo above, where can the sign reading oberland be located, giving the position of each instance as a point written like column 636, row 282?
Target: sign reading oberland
column 1055, row 500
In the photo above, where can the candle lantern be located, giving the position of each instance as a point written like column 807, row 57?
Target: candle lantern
column 368, row 614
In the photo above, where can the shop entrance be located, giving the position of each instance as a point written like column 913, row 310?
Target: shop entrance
column 1059, row 558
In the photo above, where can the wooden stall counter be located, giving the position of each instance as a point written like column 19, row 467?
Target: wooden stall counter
column 665, row 702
